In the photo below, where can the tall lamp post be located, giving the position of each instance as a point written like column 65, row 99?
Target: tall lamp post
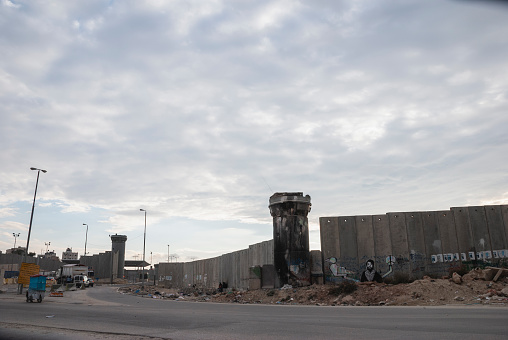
column 16, row 235
column 168, row 253
column 144, row 243
column 86, row 236
column 20, row 290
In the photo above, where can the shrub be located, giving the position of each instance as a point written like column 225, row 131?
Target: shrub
column 398, row 278
column 345, row 287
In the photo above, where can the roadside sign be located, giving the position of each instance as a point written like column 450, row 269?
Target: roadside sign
column 27, row 270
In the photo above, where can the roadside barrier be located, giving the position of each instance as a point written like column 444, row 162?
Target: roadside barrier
column 56, row 287
column 70, row 286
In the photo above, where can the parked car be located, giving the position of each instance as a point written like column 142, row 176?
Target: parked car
column 90, row 282
column 81, row 280
column 50, row 281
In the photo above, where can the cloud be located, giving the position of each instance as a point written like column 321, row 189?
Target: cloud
column 200, row 111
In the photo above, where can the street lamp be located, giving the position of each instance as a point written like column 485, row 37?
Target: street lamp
column 86, row 236
column 144, row 243
column 31, row 219
column 15, row 236
column 168, row 253
column 33, row 206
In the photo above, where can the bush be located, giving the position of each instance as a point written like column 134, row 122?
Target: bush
column 398, row 278
column 346, row 287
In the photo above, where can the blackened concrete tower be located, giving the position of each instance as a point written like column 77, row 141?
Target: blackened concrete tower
column 291, row 238
column 118, row 245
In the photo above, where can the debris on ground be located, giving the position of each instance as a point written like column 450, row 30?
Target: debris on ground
column 475, row 287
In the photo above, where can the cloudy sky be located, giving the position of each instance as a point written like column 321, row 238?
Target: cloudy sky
column 198, row 111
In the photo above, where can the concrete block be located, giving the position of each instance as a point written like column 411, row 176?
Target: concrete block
column 268, row 276
column 479, row 229
column 416, row 244
column 382, row 242
column 330, row 244
column 447, row 232
column 255, row 278
column 364, row 239
column 495, row 226
column 400, row 246
column 433, row 249
column 504, row 213
column 463, row 230
column 348, row 245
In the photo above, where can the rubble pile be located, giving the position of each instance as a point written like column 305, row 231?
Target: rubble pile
column 479, row 286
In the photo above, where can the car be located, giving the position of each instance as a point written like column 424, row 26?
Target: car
column 90, row 282
column 50, row 281
column 81, row 280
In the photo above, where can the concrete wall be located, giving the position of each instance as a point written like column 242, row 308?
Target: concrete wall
column 232, row 268
column 14, row 260
column 101, row 265
column 414, row 244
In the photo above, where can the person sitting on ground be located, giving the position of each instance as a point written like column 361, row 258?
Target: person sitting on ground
column 370, row 274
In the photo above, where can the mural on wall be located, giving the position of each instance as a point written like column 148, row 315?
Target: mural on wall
column 337, row 270
column 370, row 274
column 390, row 261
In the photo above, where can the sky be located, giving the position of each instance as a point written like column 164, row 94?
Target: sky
column 198, row 111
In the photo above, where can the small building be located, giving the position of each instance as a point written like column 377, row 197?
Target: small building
column 69, row 255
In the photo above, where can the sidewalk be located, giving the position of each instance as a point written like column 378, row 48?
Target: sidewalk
column 9, row 292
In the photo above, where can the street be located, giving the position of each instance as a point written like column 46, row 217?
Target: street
column 103, row 313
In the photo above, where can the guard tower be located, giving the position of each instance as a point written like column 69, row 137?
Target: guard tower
column 291, row 238
column 118, row 246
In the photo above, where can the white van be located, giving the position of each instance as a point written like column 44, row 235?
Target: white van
column 81, row 280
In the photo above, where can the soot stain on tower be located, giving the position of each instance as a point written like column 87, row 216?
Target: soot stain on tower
column 291, row 238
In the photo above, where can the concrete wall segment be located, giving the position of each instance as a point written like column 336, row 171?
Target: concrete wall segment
column 348, row 244
column 479, row 228
column 447, row 232
column 400, row 246
column 416, row 244
column 382, row 242
column 330, row 244
column 364, row 239
column 495, row 226
column 463, row 230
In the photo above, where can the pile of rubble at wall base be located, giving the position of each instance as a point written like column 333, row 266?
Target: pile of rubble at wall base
column 479, row 286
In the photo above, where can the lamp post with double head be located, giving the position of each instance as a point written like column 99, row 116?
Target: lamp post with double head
column 144, row 243
column 16, row 235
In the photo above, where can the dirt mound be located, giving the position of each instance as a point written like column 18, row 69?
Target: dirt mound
column 475, row 287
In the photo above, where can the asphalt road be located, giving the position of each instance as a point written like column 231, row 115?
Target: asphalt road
column 102, row 313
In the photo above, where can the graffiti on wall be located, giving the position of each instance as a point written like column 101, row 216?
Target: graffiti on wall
column 470, row 256
column 370, row 274
column 336, row 269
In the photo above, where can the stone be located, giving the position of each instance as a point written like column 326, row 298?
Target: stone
column 504, row 291
column 347, row 299
column 456, row 278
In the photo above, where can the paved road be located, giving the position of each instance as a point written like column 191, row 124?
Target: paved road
column 102, row 313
